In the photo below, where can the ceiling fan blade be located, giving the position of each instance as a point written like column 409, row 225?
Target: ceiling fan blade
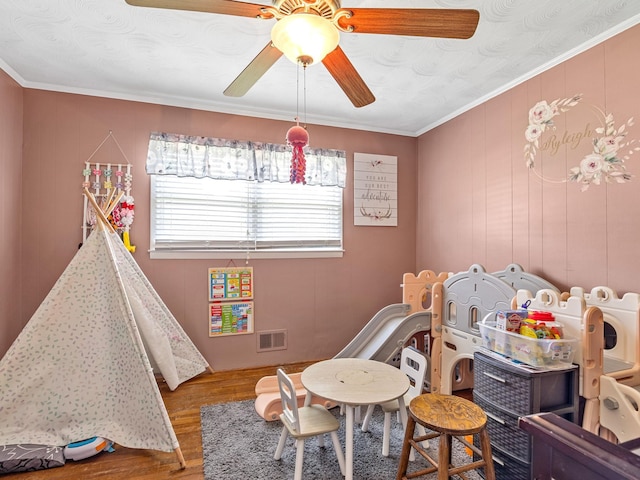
column 252, row 72
column 350, row 81
column 415, row 22
column 225, row 7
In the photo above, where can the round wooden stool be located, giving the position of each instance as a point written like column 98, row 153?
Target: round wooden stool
column 447, row 416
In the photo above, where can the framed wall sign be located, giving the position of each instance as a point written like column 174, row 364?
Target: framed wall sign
column 375, row 190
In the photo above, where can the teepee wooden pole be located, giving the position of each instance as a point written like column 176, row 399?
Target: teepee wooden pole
column 103, row 214
column 183, row 464
column 113, row 203
column 102, row 218
column 133, row 328
column 109, row 199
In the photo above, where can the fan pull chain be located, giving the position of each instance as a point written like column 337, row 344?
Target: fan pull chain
column 304, row 86
column 298, row 91
column 297, row 136
column 304, row 92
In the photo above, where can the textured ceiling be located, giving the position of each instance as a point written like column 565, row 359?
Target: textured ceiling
column 108, row 48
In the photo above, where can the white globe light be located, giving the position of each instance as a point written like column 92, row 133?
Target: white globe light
column 305, row 37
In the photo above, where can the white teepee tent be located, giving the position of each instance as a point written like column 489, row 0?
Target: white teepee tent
column 84, row 364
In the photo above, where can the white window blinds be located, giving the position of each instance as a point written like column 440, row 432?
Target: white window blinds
column 191, row 214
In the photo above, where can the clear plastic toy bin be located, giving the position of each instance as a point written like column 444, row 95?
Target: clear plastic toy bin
column 532, row 351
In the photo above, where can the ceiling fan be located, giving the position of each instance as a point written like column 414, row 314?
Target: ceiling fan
column 323, row 20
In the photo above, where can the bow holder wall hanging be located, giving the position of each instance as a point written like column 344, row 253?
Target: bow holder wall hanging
column 106, row 181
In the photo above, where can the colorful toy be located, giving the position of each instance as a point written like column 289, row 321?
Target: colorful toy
column 87, row 448
column 541, row 325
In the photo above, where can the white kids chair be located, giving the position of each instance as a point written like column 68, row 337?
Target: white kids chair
column 414, row 365
column 304, row 422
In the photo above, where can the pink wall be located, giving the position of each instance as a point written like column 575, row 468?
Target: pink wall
column 10, row 209
column 478, row 203
column 322, row 303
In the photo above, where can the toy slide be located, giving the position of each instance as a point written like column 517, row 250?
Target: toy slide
column 386, row 333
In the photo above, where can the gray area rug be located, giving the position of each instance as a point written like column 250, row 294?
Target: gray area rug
column 238, row 444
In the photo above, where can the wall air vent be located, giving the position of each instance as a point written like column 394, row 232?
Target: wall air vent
column 272, row 340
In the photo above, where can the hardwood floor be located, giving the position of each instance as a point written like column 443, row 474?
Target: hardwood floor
column 183, row 406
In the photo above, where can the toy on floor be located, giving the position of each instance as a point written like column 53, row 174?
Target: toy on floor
column 268, row 402
column 87, row 448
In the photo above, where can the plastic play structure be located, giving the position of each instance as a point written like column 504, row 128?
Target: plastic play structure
column 467, row 298
column 388, row 331
column 383, row 337
column 443, row 307
column 606, row 326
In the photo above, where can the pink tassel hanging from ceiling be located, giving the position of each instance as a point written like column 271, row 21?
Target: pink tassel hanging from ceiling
column 298, row 138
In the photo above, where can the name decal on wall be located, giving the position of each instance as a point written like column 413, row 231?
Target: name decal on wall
column 601, row 151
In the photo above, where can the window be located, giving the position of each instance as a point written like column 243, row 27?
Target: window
column 213, row 198
column 210, row 218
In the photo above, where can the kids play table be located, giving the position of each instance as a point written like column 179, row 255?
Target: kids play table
column 354, row 382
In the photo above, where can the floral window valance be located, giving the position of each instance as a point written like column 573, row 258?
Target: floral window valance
column 218, row 158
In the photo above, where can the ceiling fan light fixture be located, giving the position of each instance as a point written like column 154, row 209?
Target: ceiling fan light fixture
column 305, row 37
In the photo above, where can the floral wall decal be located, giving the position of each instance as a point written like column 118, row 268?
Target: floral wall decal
column 540, row 119
column 605, row 162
